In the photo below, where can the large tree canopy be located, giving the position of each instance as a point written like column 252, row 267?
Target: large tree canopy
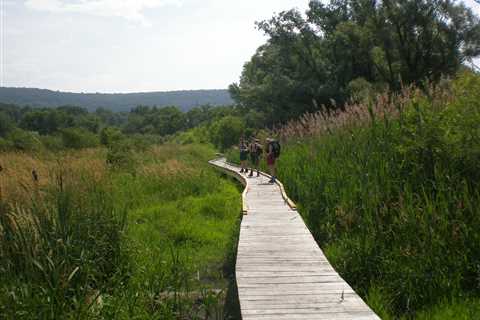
column 322, row 56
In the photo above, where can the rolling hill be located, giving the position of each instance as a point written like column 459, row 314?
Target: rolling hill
column 185, row 100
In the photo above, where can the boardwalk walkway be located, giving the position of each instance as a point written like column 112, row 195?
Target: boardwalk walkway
column 281, row 272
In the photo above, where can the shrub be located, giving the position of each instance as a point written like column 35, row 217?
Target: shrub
column 5, row 145
column 6, row 125
column 24, row 140
column 52, row 142
column 227, row 131
column 110, row 135
column 120, row 155
column 78, row 138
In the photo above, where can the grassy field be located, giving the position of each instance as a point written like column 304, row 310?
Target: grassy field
column 390, row 190
column 150, row 234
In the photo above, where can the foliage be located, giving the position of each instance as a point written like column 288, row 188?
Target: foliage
column 116, row 102
column 392, row 196
column 110, row 136
column 47, row 121
column 62, row 254
column 5, row 124
column 24, row 140
column 74, row 128
column 78, row 138
column 318, row 58
column 227, row 131
column 89, row 242
column 120, row 155
column 162, row 121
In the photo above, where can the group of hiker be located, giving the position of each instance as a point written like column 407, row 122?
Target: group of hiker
column 254, row 151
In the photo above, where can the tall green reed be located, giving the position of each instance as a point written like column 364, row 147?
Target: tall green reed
column 58, row 256
column 390, row 189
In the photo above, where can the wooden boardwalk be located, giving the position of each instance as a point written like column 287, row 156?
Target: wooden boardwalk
column 281, row 272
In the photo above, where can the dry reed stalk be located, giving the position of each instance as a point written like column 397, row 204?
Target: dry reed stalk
column 385, row 106
column 171, row 167
column 17, row 183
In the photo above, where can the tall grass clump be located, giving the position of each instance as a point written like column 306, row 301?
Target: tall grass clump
column 390, row 189
column 183, row 229
column 120, row 232
column 58, row 256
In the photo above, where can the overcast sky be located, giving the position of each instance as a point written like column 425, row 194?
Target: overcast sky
column 131, row 45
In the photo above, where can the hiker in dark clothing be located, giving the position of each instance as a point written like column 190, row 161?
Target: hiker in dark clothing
column 243, row 155
column 273, row 152
column 256, row 151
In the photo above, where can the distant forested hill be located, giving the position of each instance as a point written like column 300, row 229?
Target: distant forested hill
column 185, row 100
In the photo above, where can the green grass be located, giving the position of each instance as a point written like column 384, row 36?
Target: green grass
column 153, row 239
column 394, row 202
column 464, row 309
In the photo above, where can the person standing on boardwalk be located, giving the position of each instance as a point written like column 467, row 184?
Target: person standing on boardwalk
column 273, row 152
column 256, row 151
column 243, row 155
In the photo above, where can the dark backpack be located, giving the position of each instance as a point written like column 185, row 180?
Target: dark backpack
column 276, row 148
column 257, row 149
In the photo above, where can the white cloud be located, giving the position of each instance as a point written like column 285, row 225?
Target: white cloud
column 132, row 10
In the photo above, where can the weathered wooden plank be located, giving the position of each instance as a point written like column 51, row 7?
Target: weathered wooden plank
column 359, row 315
column 281, row 272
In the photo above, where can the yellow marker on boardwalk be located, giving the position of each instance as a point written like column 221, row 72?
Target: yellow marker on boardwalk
column 281, row 272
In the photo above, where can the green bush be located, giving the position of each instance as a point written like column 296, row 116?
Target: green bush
column 110, row 135
column 52, row 142
column 24, row 140
column 227, row 131
column 6, row 125
column 6, row 145
column 120, row 155
column 78, row 138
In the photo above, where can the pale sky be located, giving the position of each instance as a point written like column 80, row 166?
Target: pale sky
column 131, row 45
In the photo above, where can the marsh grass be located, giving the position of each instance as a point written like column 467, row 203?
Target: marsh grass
column 90, row 239
column 55, row 256
column 390, row 190
column 17, row 183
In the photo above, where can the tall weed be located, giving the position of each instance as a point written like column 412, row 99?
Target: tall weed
column 56, row 257
column 150, row 238
column 390, row 191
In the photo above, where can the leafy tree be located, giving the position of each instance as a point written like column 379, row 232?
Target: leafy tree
column 41, row 121
column 311, row 60
column 78, row 138
column 162, row 121
column 168, row 120
column 110, row 135
column 198, row 116
column 227, row 131
column 6, row 124
column 111, row 118
column 24, row 140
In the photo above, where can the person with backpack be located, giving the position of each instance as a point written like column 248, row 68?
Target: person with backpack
column 273, row 153
column 256, row 151
column 243, row 155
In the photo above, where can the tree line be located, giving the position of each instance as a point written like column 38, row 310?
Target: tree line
column 185, row 99
column 349, row 49
column 30, row 129
column 334, row 53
